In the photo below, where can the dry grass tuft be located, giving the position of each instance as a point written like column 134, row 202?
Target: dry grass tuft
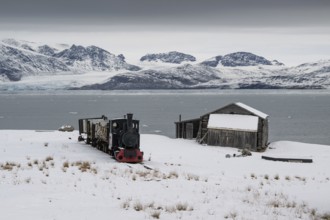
column 325, row 216
column 133, row 177
column 85, row 166
column 9, row 166
column 155, row 210
column 143, row 174
column 155, row 214
column 125, row 205
column 28, row 180
column 150, row 205
column 231, row 215
column 170, row 209
column 291, row 204
column 138, row 206
column 300, row 178
column 66, row 164
column 94, row 170
column 49, row 158
column 77, row 163
column 274, row 203
column 190, row 176
column 172, row 175
column 181, row 206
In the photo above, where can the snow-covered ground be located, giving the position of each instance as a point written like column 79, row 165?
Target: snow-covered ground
column 49, row 175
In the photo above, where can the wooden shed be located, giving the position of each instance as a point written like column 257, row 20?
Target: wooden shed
column 187, row 129
column 235, row 125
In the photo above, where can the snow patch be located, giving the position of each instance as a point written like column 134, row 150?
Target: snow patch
column 233, row 122
column 252, row 110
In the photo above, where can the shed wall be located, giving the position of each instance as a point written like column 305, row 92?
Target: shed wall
column 187, row 129
column 232, row 138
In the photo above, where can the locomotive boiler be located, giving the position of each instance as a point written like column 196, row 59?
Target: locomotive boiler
column 118, row 137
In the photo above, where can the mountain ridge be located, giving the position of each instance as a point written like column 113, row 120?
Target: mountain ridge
column 238, row 70
column 169, row 57
column 19, row 59
column 237, row 59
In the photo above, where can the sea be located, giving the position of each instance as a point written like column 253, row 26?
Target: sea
column 294, row 115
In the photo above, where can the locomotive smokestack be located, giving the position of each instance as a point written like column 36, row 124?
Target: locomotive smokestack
column 129, row 120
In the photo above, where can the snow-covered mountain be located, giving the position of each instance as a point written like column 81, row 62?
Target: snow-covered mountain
column 22, row 58
column 239, row 59
column 185, row 76
column 170, row 57
column 305, row 76
column 44, row 66
column 315, row 75
column 17, row 61
column 93, row 58
column 36, row 47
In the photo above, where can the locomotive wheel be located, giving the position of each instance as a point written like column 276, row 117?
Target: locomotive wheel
column 98, row 146
column 80, row 138
column 94, row 144
column 102, row 148
column 105, row 148
column 115, row 154
column 88, row 141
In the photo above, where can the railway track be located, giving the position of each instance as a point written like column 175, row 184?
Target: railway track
column 141, row 165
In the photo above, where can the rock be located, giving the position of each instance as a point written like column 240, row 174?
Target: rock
column 246, row 152
column 68, row 128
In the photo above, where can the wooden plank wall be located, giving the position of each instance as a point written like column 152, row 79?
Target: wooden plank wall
column 189, row 130
column 232, row 138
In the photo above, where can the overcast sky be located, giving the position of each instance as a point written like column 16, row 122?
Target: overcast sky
column 279, row 29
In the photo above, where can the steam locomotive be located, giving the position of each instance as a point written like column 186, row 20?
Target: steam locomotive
column 118, row 137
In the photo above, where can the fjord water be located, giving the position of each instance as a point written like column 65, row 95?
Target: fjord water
column 295, row 115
